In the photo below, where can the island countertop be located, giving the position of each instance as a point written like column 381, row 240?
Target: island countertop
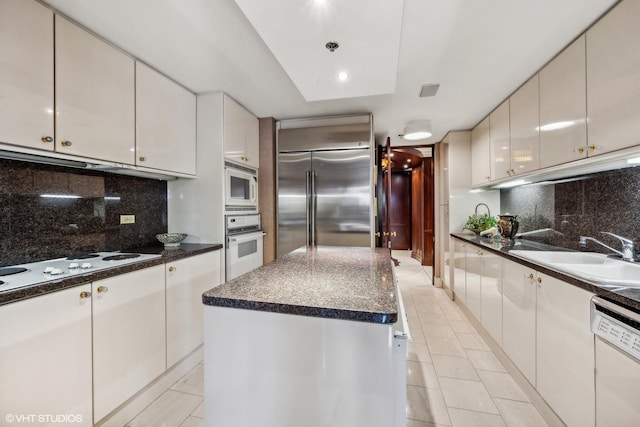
column 333, row 282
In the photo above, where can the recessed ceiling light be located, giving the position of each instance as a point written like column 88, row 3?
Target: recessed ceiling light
column 343, row 76
column 320, row 1
column 417, row 129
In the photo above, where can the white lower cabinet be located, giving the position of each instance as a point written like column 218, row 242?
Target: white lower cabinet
column 491, row 295
column 565, row 350
column 617, row 387
column 187, row 279
column 458, row 267
column 129, row 349
column 45, row 359
column 473, row 265
column 519, row 317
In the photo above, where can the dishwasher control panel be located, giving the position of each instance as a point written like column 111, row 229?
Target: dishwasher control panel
column 617, row 325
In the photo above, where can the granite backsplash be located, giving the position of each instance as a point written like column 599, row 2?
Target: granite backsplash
column 50, row 211
column 581, row 206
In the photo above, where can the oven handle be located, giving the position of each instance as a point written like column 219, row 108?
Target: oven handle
column 246, row 237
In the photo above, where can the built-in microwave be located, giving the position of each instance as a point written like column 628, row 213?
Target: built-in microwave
column 241, row 188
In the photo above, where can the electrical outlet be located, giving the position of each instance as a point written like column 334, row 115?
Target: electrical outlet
column 127, row 219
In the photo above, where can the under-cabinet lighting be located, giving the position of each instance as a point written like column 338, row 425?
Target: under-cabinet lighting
column 60, row 196
column 510, row 184
column 476, row 190
column 634, row 161
column 112, row 198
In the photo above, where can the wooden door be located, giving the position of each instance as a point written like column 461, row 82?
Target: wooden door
column 400, row 210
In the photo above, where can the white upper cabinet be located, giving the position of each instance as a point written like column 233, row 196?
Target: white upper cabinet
column 26, row 74
column 613, row 80
column 524, row 123
column 480, row 154
column 165, row 123
column 563, row 107
column 94, row 96
column 241, row 134
column 499, row 142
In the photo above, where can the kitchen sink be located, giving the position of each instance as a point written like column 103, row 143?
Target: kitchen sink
column 591, row 266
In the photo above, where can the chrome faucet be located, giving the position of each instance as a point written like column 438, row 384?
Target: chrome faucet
column 628, row 252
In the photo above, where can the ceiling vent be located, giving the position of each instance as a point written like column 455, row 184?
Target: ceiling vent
column 429, row 90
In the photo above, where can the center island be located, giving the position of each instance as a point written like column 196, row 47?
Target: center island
column 315, row 338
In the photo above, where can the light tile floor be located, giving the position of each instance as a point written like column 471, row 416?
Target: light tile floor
column 453, row 378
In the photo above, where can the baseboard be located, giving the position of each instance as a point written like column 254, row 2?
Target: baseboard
column 543, row 408
column 132, row 407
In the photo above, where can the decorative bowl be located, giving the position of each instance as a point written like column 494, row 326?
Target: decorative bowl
column 171, row 239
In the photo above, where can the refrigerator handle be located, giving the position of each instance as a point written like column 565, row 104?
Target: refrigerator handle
column 313, row 208
column 308, row 207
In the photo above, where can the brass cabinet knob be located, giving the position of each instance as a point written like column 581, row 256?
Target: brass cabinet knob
column 539, row 279
column 66, row 143
column 581, row 150
column 172, row 269
column 393, row 234
column 102, row 289
column 46, row 139
column 530, row 275
column 488, row 178
column 377, row 234
column 85, row 294
column 142, row 159
column 592, row 148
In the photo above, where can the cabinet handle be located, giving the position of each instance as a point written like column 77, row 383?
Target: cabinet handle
column 479, row 253
column 581, row 150
column 539, row 279
column 530, row 275
column 592, row 148
column 393, row 234
column 102, row 289
column 85, row 294
column 172, row 269
column 142, row 159
column 46, row 139
column 66, row 143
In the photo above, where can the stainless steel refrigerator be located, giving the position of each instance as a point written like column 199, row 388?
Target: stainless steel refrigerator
column 324, row 195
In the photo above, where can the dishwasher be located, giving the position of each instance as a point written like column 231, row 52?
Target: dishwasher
column 617, row 356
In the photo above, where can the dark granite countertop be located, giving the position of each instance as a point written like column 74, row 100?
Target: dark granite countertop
column 183, row 251
column 332, row 282
column 629, row 297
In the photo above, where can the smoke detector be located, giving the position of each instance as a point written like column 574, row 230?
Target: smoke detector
column 332, row 46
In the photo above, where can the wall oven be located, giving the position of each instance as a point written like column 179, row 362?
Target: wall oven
column 244, row 244
column 241, row 188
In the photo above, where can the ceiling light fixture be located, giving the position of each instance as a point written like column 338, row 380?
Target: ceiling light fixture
column 343, row 76
column 417, row 129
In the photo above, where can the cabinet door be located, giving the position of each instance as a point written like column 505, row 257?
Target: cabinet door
column 128, row 336
column 165, row 123
column 26, row 74
column 45, row 356
column 565, row 362
column 241, row 134
column 491, row 295
column 524, row 123
column 187, row 280
column 474, row 267
column 94, row 96
column 613, row 80
column 519, row 317
column 480, row 154
column 563, row 107
column 458, row 267
column 617, row 387
column 499, row 138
